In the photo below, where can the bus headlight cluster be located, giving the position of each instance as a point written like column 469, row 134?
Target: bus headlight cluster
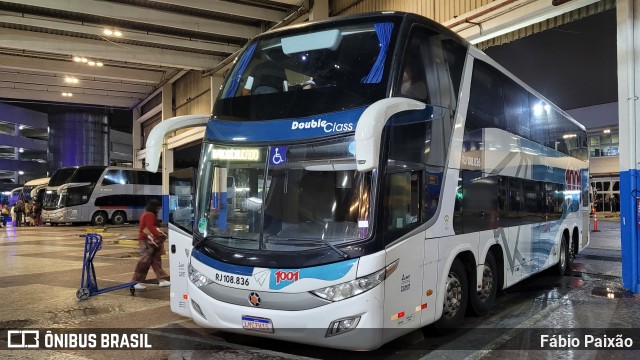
column 357, row 286
column 197, row 278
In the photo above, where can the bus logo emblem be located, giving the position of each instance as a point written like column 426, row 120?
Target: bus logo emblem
column 254, row 299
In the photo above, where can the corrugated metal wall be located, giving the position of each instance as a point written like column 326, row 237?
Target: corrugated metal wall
column 443, row 10
column 583, row 12
column 438, row 10
column 192, row 94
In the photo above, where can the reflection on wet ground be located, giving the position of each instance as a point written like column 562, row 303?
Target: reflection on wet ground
column 41, row 268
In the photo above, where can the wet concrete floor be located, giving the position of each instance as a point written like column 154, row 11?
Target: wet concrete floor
column 41, row 270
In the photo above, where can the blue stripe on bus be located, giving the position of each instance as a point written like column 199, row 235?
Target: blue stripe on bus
column 219, row 265
column 285, row 130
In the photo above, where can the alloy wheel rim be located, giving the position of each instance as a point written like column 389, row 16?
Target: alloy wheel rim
column 453, row 298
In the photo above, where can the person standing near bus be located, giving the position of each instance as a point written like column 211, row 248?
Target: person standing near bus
column 6, row 212
column 18, row 209
column 151, row 242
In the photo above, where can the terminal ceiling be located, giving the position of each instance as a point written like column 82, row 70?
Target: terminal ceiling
column 158, row 40
column 161, row 39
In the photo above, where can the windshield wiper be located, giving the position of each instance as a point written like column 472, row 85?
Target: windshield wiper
column 211, row 237
column 341, row 253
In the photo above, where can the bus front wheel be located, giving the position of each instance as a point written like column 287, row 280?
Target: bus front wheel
column 99, row 218
column 456, row 295
column 118, row 218
column 482, row 300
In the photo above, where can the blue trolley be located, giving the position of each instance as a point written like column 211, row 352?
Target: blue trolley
column 88, row 283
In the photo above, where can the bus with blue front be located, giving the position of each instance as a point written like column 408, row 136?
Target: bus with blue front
column 394, row 177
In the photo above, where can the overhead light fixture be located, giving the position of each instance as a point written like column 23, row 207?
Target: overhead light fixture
column 89, row 62
column 20, row 172
column 607, row 131
column 67, row 94
column 71, row 80
column 21, row 150
column 109, row 32
column 21, row 127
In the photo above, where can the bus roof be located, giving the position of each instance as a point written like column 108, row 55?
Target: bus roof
column 36, row 182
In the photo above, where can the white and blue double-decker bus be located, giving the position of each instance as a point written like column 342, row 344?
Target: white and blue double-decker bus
column 388, row 176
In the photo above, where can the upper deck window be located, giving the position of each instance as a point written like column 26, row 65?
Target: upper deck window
column 309, row 71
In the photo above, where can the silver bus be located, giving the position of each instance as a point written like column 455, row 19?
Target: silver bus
column 99, row 194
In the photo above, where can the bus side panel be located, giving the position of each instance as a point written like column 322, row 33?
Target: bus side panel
column 449, row 248
column 430, row 293
column 179, row 248
column 403, row 289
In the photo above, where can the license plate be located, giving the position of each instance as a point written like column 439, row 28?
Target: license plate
column 257, row 324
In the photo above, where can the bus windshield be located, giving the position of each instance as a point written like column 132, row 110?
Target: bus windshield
column 286, row 198
column 84, row 178
column 322, row 69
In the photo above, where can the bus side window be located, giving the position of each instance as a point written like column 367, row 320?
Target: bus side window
column 401, row 203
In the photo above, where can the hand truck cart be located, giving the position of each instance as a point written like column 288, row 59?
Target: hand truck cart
column 88, row 283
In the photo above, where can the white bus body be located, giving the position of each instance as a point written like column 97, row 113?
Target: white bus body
column 370, row 215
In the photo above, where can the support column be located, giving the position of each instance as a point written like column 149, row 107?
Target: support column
column 167, row 155
column 319, row 10
column 136, row 140
column 628, row 24
column 16, row 155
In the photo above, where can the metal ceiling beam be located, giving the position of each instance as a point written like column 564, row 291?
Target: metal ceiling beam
column 82, row 28
column 51, row 96
column 145, row 16
column 227, row 7
column 55, row 80
column 289, row 2
column 504, row 16
column 71, row 68
column 59, row 44
column 67, row 89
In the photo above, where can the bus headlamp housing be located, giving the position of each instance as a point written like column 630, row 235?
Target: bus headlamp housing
column 197, row 278
column 355, row 287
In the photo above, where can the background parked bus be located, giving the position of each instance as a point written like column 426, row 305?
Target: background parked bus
column 34, row 190
column 15, row 195
column 99, row 194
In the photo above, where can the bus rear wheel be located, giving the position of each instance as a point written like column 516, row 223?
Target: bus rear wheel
column 118, row 218
column 482, row 300
column 563, row 261
column 455, row 299
column 99, row 218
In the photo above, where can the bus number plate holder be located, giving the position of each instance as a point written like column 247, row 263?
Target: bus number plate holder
column 257, row 324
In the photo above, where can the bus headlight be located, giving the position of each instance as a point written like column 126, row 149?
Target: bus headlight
column 197, row 278
column 357, row 286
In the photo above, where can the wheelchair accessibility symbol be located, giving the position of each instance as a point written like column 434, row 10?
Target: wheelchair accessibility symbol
column 278, row 155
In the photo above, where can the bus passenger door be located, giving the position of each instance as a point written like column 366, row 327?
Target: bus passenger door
column 181, row 192
column 401, row 219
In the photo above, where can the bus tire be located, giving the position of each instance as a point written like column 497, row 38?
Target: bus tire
column 118, row 218
column 561, row 267
column 481, row 301
column 455, row 299
column 99, row 218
